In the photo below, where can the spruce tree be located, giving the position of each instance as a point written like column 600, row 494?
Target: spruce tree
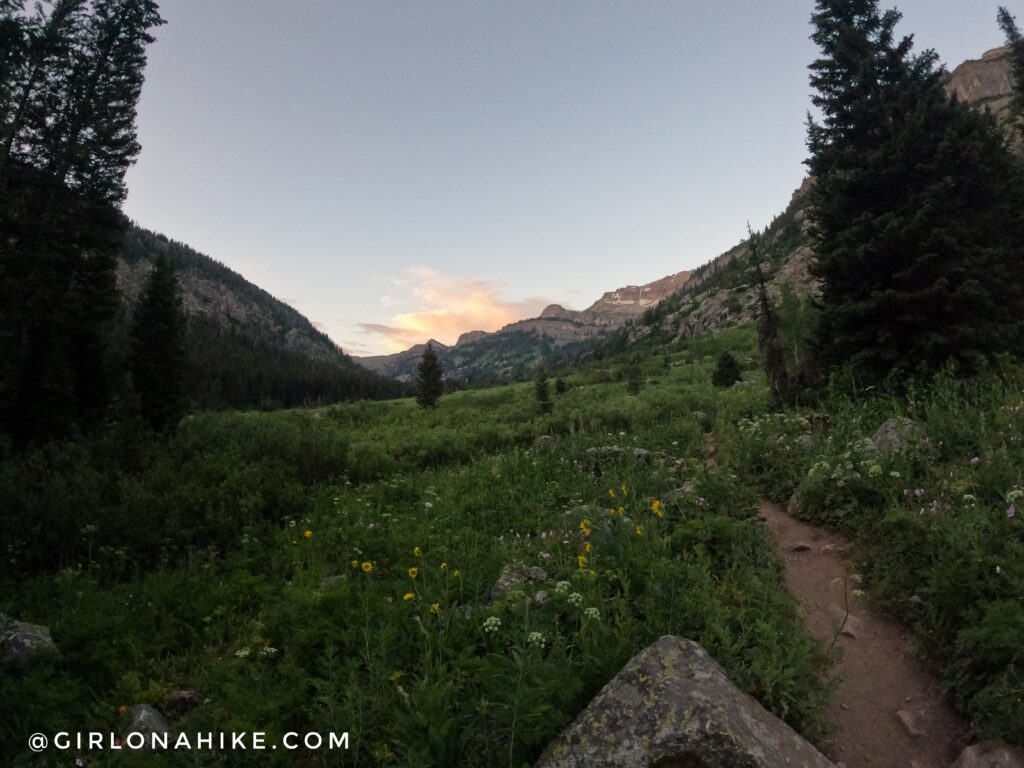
column 1015, row 41
column 157, row 349
column 429, row 386
column 916, row 210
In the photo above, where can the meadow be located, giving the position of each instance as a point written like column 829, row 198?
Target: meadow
column 335, row 569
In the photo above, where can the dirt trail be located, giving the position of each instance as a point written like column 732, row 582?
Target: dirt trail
column 878, row 675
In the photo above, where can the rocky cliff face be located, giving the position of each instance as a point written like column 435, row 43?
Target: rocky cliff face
column 987, row 81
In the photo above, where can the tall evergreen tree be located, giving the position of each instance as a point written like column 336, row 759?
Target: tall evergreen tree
column 916, row 210
column 157, row 348
column 71, row 80
column 541, row 391
column 429, row 386
column 1015, row 41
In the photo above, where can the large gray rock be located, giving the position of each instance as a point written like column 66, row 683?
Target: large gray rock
column 990, row 756
column 672, row 705
column 22, row 643
column 896, row 435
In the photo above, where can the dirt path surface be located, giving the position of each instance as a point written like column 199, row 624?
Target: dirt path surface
column 888, row 711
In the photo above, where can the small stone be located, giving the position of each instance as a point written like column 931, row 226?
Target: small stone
column 838, row 549
column 847, row 624
column 545, row 441
column 328, row 582
column 800, row 546
column 909, row 722
column 514, row 576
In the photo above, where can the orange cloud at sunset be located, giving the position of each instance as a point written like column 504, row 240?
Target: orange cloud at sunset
column 446, row 306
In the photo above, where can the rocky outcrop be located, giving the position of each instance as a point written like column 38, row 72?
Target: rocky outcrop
column 144, row 718
column 672, row 705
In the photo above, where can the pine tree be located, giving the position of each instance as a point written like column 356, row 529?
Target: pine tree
column 428, row 378
column 1015, row 41
column 560, row 386
column 541, row 391
column 727, row 371
column 634, row 377
column 157, row 349
column 916, row 210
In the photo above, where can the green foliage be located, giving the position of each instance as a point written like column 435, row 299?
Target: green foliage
column 916, row 208
column 428, row 379
column 1015, row 41
column 727, row 371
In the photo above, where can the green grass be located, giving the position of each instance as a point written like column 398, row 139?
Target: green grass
column 198, row 563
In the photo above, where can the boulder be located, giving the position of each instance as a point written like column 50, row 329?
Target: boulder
column 143, row 718
column 329, row 582
column 896, row 435
column 545, row 441
column 672, row 705
column 22, row 643
column 514, row 576
column 990, row 756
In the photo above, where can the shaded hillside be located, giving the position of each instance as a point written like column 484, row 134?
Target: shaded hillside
column 244, row 347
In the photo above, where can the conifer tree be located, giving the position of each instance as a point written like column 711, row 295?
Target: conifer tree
column 157, row 349
column 541, row 391
column 429, row 386
column 916, row 210
column 71, row 79
column 1015, row 41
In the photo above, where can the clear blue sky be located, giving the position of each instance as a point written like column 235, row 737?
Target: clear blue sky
column 396, row 170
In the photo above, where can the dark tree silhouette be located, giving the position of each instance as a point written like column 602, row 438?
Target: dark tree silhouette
column 429, row 386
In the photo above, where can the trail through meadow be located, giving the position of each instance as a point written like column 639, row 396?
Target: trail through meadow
column 888, row 710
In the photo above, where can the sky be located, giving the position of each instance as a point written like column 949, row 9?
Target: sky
column 400, row 170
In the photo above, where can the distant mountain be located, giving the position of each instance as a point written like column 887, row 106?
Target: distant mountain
column 557, row 334
column 244, row 347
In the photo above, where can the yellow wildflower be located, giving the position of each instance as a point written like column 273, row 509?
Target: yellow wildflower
column 457, row 574
column 415, row 551
column 435, row 607
column 611, row 492
column 444, row 566
column 585, row 528
column 355, row 563
column 656, row 508
column 581, row 561
column 122, row 709
column 587, row 547
column 639, row 531
column 414, row 572
column 308, row 534
column 408, row 596
column 367, row 567
column 396, row 676
column 625, row 492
